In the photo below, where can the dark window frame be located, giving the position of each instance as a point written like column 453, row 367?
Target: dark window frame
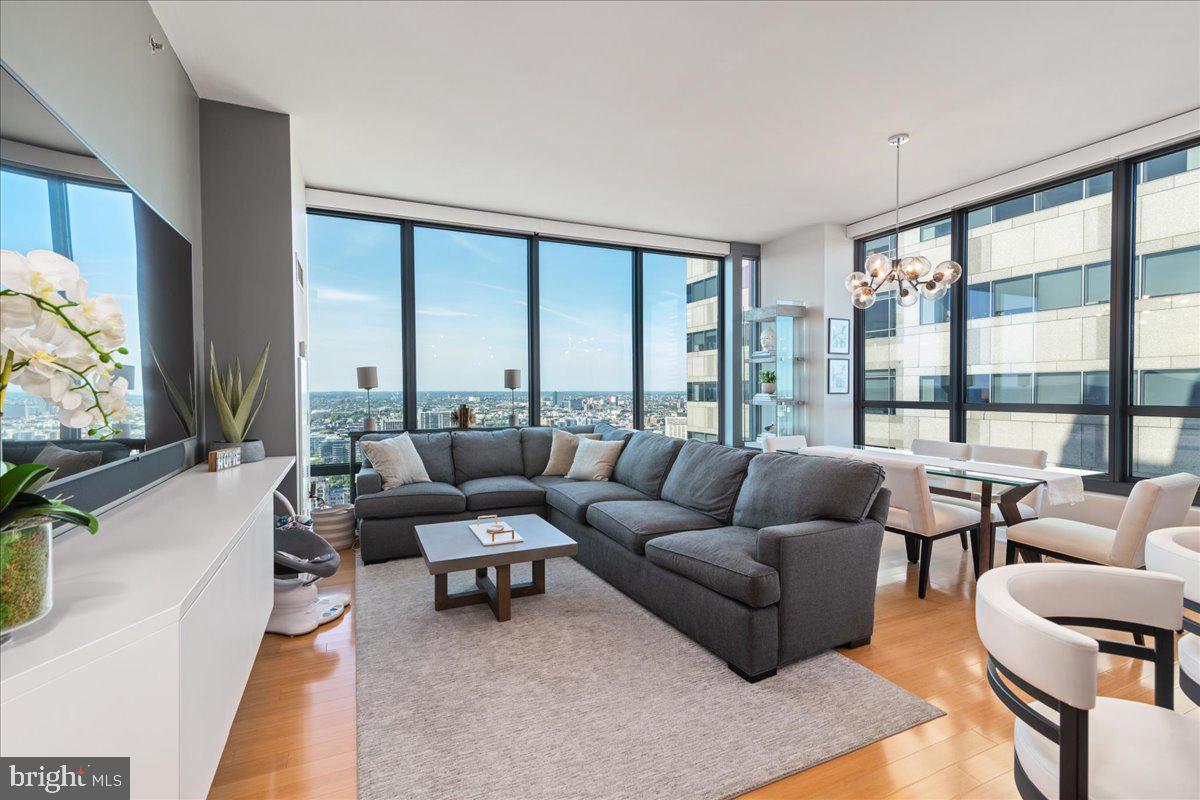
column 1120, row 410
column 408, row 301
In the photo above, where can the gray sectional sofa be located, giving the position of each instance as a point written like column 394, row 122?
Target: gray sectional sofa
column 764, row 559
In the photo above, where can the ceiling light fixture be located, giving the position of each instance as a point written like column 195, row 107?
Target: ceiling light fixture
column 914, row 277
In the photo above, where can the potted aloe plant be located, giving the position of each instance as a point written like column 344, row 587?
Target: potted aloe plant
column 235, row 403
column 62, row 345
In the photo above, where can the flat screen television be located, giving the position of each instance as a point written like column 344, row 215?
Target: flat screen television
column 57, row 195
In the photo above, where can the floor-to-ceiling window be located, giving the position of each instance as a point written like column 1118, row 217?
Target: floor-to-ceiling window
column 906, row 353
column 585, row 305
column 471, row 300
column 1079, row 329
column 681, row 346
column 355, row 320
column 1165, row 280
column 1038, row 280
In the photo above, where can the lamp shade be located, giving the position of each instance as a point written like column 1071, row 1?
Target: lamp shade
column 512, row 379
column 368, row 377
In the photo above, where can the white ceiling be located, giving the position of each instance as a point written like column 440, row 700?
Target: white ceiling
column 736, row 121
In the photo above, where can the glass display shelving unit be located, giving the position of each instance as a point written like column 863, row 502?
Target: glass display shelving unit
column 781, row 412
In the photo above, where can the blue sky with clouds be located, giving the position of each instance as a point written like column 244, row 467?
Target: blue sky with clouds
column 471, row 298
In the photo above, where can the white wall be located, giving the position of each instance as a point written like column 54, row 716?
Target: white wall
column 809, row 266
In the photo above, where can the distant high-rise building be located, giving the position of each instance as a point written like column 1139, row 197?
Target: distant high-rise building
column 702, row 418
column 677, row 427
column 431, row 420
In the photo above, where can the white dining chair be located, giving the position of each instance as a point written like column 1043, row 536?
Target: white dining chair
column 1153, row 504
column 772, row 444
column 1014, row 457
column 1177, row 551
column 917, row 516
column 1068, row 742
column 958, row 451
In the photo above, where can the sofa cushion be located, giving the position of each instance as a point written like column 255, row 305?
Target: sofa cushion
column 535, row 449
column 410, row 500
column 721, row 559
column 546, row 481
column 609, row 433
column 781, row 489
column 574, row 497
column 706, row 477
column 632, row 523
column 646, row 460
column 501, row 492
column 433, row 448
column 486, row 454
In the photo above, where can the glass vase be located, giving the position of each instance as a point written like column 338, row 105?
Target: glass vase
column 26, row 582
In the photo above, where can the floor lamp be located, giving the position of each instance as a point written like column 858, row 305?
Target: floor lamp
column 368, row 378
column 512, row 382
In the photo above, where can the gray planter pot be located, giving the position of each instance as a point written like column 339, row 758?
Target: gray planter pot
column 252, row 449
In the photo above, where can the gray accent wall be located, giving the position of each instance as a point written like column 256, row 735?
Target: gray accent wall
column 249, row 299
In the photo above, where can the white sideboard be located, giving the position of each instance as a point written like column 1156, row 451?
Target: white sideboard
column 156, row 622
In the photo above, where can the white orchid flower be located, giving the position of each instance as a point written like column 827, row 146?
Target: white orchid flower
column 103, row 315
column 18, row 312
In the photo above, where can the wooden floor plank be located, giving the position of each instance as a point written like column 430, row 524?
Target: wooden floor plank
column 294, row 735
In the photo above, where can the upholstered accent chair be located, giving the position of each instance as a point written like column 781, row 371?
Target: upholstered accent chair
column 1177, row 551
column 1069, row 743
column 1153, row 504
column 954, row 450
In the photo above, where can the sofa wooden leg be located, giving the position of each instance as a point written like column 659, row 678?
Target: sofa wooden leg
column 752, row 678
column 866, row 640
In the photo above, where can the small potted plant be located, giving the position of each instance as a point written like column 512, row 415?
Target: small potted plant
column 236, row 408
column 26, row 520
column 767, row 379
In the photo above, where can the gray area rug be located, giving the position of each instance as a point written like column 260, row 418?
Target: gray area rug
column 584, row 694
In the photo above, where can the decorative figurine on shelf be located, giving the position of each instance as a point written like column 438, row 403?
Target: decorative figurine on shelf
column 368, row 378
column 766, row 340
column 463, row 417
column 767, row 378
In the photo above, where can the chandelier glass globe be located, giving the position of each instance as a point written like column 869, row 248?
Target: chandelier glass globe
column 947, row 272
column 856, row 279
column 878, row 264
column 907, row 297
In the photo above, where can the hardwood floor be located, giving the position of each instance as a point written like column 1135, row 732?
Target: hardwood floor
column 294, row 735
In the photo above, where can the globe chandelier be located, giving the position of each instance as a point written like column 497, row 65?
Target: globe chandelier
column 912, row 277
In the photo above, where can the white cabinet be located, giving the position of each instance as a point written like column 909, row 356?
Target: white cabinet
column 156, row 623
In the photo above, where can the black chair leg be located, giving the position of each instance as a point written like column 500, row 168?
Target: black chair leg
column 1010, row 552
column 962, row 538
column 1139, row 639
column 975, row 551
column 910, row 547
column 926, row 554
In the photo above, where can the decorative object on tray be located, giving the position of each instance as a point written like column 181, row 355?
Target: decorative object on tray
column 368, row 378
column 463, row 416
column 512, row 382
column 224, row 459
column 838, row 376
column 184, row 405
column 766, row 339
column 839, row 336
column 235, row 404
column 26, row 520
column 767, row 378
column 489, row 529
column 335, row 524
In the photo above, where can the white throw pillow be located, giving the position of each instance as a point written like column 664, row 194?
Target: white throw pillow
column 594, row 460
column 397, row 461
column 562, row 451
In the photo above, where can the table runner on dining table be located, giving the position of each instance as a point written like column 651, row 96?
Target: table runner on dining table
column 1061, row 487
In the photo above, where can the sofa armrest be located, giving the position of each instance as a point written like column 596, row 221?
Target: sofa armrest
column 881, row 506
column 368, row 481
column 827, row 575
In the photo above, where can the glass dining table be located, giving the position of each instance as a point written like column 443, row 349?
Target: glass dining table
column 1005, row 491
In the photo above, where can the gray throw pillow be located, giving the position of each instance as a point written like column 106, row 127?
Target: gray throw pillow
column 68, row 462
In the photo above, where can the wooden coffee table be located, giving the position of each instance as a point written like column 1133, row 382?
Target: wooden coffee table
column 451, row 547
